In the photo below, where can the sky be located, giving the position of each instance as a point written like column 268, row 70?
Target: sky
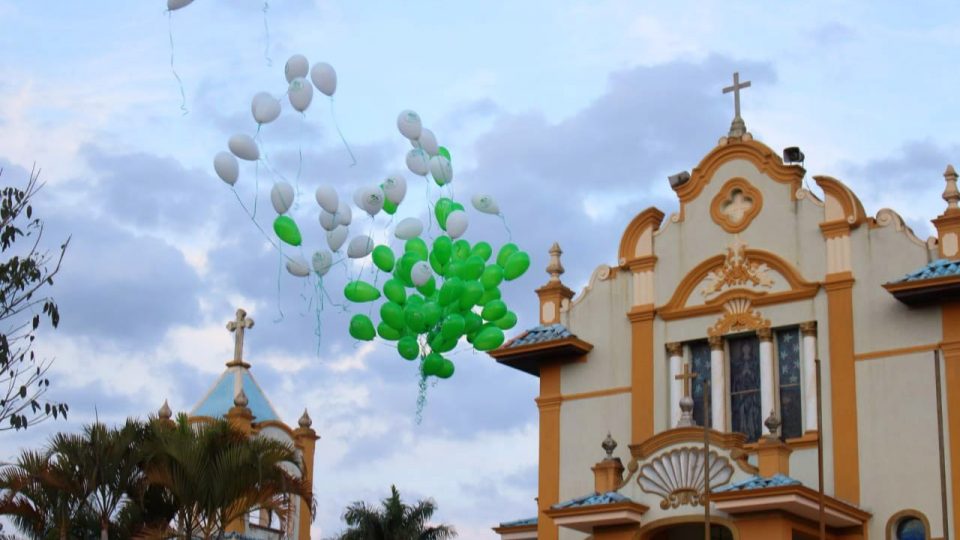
column 571, row 114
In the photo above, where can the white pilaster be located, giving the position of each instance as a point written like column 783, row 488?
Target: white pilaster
column 809, row 351
column 718, row 400
column 675, row 351
column 767, row 382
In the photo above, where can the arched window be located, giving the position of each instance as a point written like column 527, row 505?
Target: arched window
column 911, row 528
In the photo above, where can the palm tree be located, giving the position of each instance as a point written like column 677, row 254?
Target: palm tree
column 395, row 521
column 36, row 496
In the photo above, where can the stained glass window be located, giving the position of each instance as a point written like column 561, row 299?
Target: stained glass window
column 788, row 369
column 911, row 528
column 745, row 414
column 700, row 359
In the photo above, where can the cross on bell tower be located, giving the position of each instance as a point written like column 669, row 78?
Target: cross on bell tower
column 737, row 128
column 238, row 326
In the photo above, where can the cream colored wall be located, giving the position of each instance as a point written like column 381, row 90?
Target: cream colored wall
column 599, row 316
column 899, row 467
column 584, row 424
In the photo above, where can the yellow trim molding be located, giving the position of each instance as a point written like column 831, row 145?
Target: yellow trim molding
column 841, row 205
column 892, row 523
column 549, row 459
column 843, row 387
column 951, row 359
column 651, row 218
column 649, row 530
column 896, row 352
column 597, row 393
column 728, row 192
column 642, row 404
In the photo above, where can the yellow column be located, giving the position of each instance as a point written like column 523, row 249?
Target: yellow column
column 641, row 373
column 549, row 471
column 241, row 418
column 843, row 387
column 951, row 356
column 306, row 439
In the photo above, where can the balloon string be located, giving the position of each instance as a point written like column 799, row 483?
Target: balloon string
column 266, row 33
column 507, row 227
column 279, row 276
column 318, row 293
column 259, row 228
column 183, row 95
column 303, row 119
column 336, row 124
column 421, row 393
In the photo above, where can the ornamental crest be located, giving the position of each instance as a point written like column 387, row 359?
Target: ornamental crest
column 737, row 270
column 677, row 476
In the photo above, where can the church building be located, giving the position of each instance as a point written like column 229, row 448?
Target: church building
column 237, row 397
column 722, row 315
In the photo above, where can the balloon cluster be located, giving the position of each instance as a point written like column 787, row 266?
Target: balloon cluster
column 441, row 290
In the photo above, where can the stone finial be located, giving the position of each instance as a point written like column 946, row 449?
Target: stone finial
column 773, row 425
column 555, row 268
column 305, row 422
column 951, row 194
column 240, row 400
column 609, row 445
column 686, row 412
column 165, row 413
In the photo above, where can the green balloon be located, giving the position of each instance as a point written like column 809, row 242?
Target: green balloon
column 287, row 230
column 482, row 250
column 457, row 206
column 392, row 314
column 505, row 252
column 491, row 277
column 453, row 326
column 395, row 291
column 489, row 338
column 428, row 288
column 516, row 265
column 432, row 312
column 494, row 310
column 388, row 332
column 450, row 291
column 415, row 300
column 472, row 267
column 408, row 347
column 432, row 364
column 461, row 249
column 454, row 270
column 507, row 322
column 438, row 267
column 389, row 206
column 383, row 258
column 361, row 291
column 441, row 345
column 472, row 291
column 446, row 369
column 418, row 247
column 362, row 328
column 442, row 209
column 442, row 150
column 414, row 317
column 443, row 248
column 472, row 323
column 403, row 267
column 488, row 295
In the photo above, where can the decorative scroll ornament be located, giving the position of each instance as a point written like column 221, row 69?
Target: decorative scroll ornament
column 677, row 476
column 738, row 315
column 737, row 270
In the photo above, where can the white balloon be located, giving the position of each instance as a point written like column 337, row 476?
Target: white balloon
column 324, row 77
column 322, row 261
column 418, row 162
column 344, row 214
column 337, row 237
column 370, row 199
column 327, row 198
column 328, row 221
column 457, row 223
column 300, row 94
column 441, row 170
column 485, row 204
column 408, row 122
column 281, row 197
column 427, row 141
column 420, row 273
column 227, row 167
column 395, row 188
column 298, row 267
column 408, row 228
column 177, row 4
column 244, row 147
column 265, row 108
column 297, row 66
column 360, row 247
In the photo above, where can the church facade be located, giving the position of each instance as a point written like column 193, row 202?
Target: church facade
column 720, row 315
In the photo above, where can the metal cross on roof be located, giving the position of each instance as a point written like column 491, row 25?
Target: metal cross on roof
column 737, row 86
column 238, row 326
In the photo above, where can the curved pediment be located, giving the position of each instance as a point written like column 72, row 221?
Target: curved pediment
column 759, row 276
